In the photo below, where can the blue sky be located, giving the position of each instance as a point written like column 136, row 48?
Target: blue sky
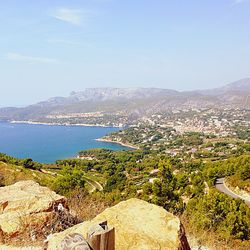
column 50, row 48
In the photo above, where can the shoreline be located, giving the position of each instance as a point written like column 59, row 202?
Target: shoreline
column 117, row 142
column 62, row 124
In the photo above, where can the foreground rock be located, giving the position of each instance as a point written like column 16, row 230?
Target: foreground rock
column 5, row 247
column 24, row 204
column 138, row 225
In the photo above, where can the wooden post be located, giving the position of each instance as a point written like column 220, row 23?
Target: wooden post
column 1, row 236
column 100, row 237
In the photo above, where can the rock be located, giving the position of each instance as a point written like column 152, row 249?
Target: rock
column 74, row 241
column 138, row 225
column 26, row 203
column 6, row 247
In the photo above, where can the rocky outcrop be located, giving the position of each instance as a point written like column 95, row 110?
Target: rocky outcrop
column 138, row 225
column 26, row 203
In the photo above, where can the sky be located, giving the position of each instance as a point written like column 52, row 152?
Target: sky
column 50, row 48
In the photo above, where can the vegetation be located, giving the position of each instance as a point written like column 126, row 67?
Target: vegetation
column 164, row 189
column 27, row 163
column 217, row 212
column 11, row 173
column 175, row 171
column 69, row 179
column 238, row 166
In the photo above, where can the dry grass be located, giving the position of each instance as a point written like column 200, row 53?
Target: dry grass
column 10, row 174
column 82, row 205
column 236, row 181
column 35, row 234
column 86, row 206
column 212, row 240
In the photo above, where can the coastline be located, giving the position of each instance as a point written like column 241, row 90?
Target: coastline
column 62, row 124
column 117, row 142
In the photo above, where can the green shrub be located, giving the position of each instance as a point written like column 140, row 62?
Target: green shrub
column 69, row 179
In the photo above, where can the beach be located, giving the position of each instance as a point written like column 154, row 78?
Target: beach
column 117, row 142
column 62, row 124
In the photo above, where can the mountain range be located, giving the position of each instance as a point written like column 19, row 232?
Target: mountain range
column 132, row 101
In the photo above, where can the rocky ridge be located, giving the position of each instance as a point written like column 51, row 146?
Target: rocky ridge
column 132, row 104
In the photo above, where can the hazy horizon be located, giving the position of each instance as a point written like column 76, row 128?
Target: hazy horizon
column 50, row 48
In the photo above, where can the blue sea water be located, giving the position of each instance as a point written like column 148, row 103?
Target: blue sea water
column 46, row 144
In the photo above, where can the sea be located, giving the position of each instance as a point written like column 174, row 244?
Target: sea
column 48, row 143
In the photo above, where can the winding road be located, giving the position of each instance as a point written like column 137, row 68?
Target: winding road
column 94, row 185
column 220, row 185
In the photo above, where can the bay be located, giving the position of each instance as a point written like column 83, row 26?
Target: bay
column 46, row 144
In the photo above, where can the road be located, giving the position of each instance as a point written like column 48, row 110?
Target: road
column 220, row 185
column 95, row 185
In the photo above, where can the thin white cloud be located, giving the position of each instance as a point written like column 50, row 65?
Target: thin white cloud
column 74, row 16
column 240, row 1
column 69, row 42
column 29, row 59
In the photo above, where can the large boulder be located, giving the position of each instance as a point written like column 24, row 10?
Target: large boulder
column 25, row 203
column 138, row 225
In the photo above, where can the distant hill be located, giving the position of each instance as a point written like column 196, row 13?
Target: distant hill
column 130, row 102
column 107, row 94
column 240, row 86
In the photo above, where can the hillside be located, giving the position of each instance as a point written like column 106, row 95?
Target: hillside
column 114, row 106
column 11, row 173
column 182, row 185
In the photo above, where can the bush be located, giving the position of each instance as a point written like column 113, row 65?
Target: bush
column 228, row 217
column 69, row 179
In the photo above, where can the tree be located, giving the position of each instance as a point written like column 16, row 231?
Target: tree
column 164, row 189
column 28, row 163
column 224, row 215
column 69, row 179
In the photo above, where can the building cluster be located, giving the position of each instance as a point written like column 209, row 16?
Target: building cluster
column 210, row 121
